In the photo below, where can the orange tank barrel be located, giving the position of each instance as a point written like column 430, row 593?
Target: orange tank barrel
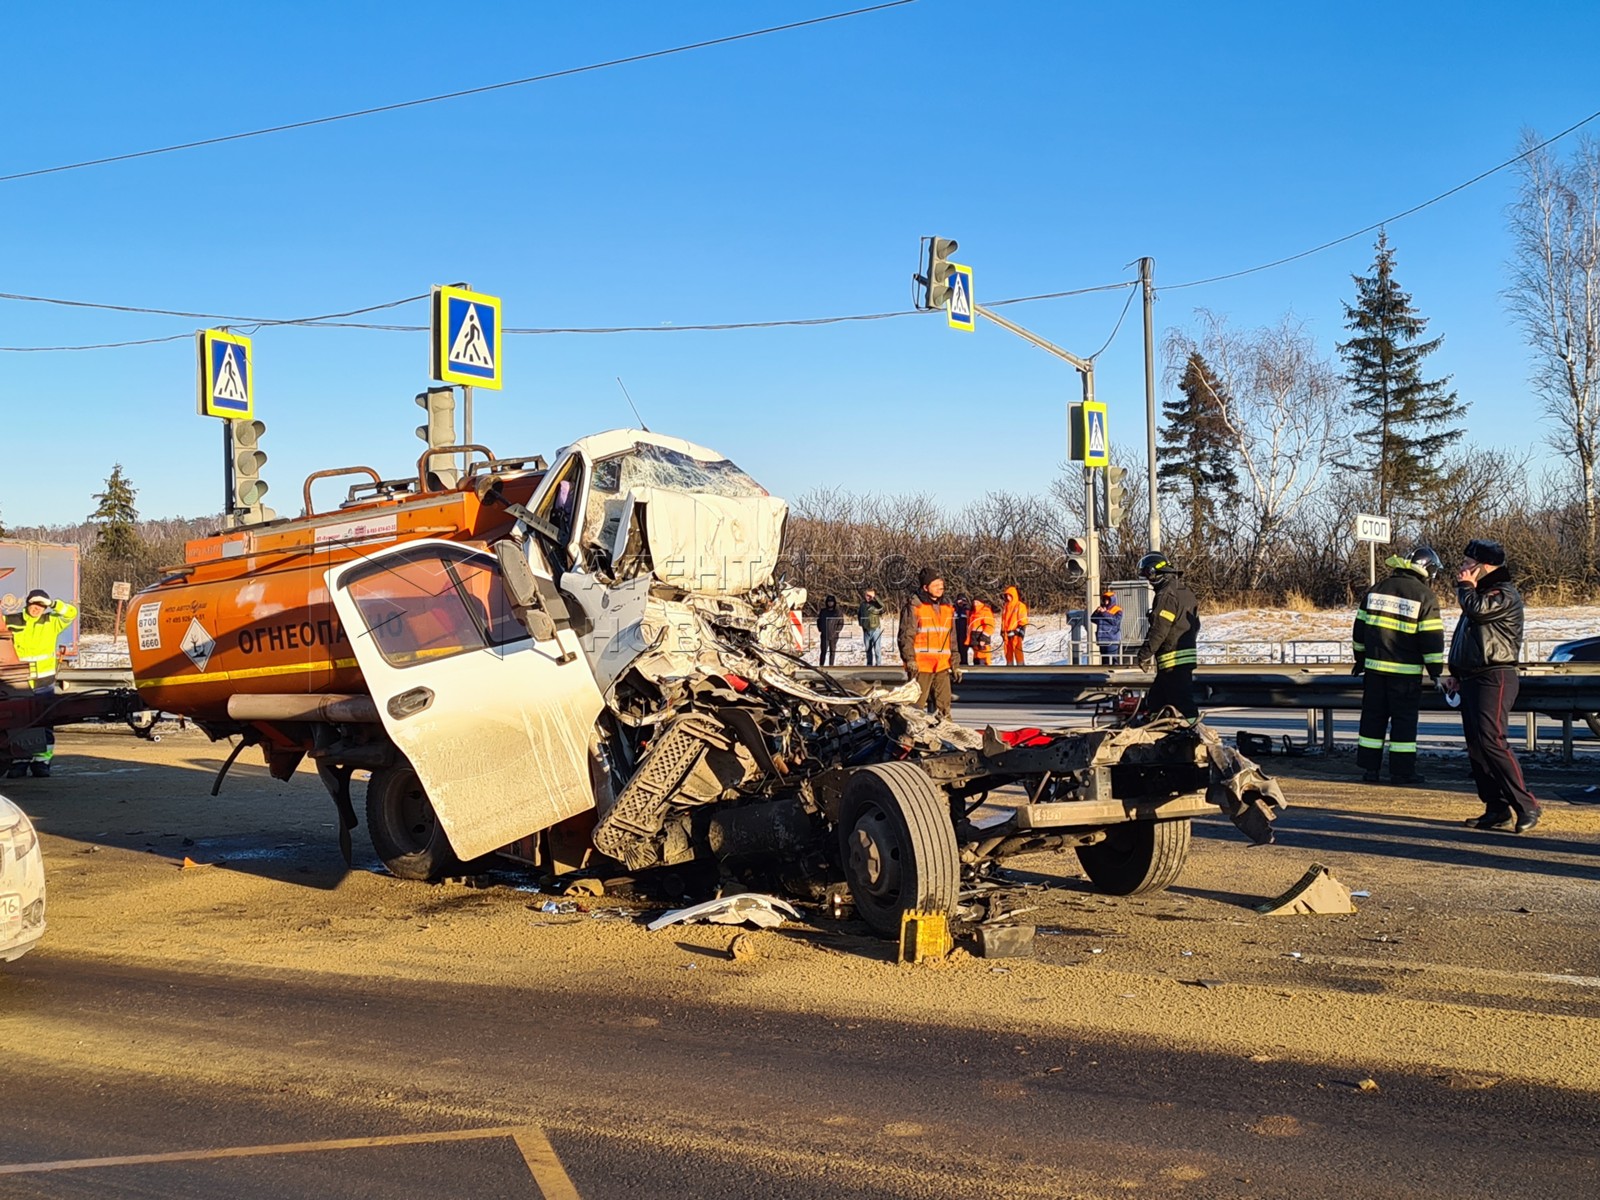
column 249, row 612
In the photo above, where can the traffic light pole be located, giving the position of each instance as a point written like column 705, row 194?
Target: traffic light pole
column 1147, row 268
column 227, row 472
column 1085, row 368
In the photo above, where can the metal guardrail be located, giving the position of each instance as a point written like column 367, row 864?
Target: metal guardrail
column 1555, row 689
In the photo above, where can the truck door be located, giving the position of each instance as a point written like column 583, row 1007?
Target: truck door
column 497, row 728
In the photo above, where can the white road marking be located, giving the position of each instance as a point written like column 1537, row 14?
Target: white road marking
column 548, row 1174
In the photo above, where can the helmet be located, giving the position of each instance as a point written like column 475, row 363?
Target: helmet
column 1155, row 564
column 1424, row 559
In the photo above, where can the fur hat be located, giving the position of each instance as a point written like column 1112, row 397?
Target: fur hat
column 1490, row 553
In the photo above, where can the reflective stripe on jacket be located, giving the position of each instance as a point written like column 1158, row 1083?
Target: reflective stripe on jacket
column 1398, row 629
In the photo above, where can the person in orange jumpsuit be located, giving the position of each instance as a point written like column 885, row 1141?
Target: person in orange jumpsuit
column 1013, row 625
column 980, row 632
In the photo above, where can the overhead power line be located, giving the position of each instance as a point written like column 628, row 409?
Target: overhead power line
column 457, row 95
column 1415, row 208
column 330, row 321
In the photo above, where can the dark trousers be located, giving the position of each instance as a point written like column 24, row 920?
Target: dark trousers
column 1173, row 688
column 961, row 642
column 935, row 691
column 1110, row 652
column 1486, row 701
column 829, row 653
column 1389, row 708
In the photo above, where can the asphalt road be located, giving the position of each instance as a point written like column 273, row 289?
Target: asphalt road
column 272, row 1025
column 637, row 1099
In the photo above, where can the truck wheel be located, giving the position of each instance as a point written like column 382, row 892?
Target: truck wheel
column 1592, row 720
column 1141, row 856
column 898, row 845
column 404, row 830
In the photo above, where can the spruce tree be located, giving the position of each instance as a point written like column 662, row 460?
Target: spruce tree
column 1408, row 421
column 1195, row 454
column 114, row 517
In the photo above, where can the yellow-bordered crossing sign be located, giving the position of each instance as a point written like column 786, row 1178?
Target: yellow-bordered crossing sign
column 466, row 342
column 959, row 312
column 227, row 374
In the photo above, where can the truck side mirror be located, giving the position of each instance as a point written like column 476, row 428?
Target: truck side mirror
column 535, row 601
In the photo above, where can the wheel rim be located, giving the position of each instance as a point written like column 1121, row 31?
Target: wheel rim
column 875, row 859
column 413, row 815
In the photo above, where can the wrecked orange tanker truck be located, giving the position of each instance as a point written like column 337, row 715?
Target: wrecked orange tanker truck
column 595, row 658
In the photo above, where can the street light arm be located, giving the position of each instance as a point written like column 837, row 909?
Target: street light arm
column 1082, row 364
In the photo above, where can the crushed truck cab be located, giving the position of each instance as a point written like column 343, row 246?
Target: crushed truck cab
column 597, row 658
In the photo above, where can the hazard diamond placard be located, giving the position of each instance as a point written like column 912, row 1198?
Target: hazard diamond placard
column 465, row 346
column 227, row 375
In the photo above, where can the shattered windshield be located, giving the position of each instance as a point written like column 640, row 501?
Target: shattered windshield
column 649, row 465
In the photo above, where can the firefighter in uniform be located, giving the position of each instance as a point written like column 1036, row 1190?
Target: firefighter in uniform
column 927, row 634
column 1398, row 635
column 1170, row 643
column 34, row 632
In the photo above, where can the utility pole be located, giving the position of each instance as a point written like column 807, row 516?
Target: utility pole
column 1085, row 368
column 1147, row 270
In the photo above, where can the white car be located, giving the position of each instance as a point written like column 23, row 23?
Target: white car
column 21, row 883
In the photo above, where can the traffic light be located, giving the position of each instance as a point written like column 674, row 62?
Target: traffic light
column 939, row 252
column 440, row 430
column 247, row 458
column 1116, row 495
column 1077, row 558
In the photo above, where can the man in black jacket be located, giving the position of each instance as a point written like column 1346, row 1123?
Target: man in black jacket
column 1398, row 635
column 1483, row 670
column 1171, row 642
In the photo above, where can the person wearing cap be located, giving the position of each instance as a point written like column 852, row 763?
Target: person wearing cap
column 870, row 614
column 1108, row 627
column 1398, row 636
column 1483, row 672
column 963, row 623
column 34, row 632
column 927, row 632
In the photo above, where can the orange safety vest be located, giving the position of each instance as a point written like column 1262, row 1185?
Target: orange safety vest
column 981, row 621
column 935, row 625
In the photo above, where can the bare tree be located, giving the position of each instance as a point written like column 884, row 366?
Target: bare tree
column 1280, row 405
column 1555, row 296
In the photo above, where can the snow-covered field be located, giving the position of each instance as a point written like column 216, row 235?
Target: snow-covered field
column 1243, row 635
column 1247, row 635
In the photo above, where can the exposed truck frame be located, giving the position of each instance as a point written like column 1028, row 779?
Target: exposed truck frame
column 596, row 658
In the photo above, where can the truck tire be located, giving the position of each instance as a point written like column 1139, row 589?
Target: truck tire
column 1141, row 856
column 897, row 845
column 404, row 830
column 1592, row 720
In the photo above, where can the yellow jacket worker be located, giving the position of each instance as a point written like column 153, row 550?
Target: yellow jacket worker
column 34, row 633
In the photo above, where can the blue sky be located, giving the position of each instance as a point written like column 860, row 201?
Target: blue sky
column 784, row 177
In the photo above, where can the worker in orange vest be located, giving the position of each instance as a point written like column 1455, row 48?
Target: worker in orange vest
column 1013, row 624
column 927, row 636
column 980, row 632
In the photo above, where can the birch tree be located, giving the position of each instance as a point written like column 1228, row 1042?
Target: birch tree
column 1555, row 297
column 1278, row 403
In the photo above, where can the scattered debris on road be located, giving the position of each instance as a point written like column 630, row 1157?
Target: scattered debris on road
column 1316, row 892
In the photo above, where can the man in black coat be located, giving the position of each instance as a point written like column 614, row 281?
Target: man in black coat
column 1483, row 671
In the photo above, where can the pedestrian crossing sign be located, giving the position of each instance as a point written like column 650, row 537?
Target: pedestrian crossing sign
column 1088, row 434
column 465, row 346
column 227, row 375
column 959, row 312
